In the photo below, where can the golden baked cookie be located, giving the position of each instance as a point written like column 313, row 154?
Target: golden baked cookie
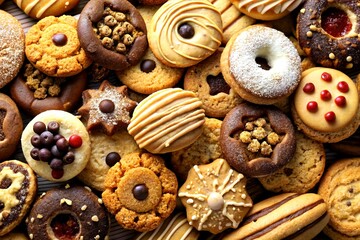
column 167, row 120
column 203, row 151
column 183, row 33
column 107, row 108
column 207, row 81
column 52, row 46
column 42, row 8
column 326, row 105
column 140, row 191
column 106, row 151
column 12, row 47
column 18, row 187
column 15, row 236
column 215, row 197
column 56, row 145
column 302, row 172
column 340, row 188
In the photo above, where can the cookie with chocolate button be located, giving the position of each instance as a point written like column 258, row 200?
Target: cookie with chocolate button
column 140, row 191
column 206, row 80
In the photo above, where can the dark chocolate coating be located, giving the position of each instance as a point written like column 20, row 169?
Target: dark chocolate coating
column 321, row 44
column 92, row 13
column 236, row 153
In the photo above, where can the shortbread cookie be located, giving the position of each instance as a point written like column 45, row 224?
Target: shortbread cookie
column 203, row 151
column 302, row 172
column 140, row 191
column 12, row 47
column 52, row 46
column 56, row 145
column 18, row 190
column 215, row 197
column 106, row 151
column 340, row 189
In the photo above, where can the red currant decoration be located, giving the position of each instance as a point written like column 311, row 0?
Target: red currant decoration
column 325, row 95
column 330, row 116
column 312, row 106
column 309, row 88
column 326, row 77
column 340, row 101
column 75, row 141
column 57, row 173
column 343, row 87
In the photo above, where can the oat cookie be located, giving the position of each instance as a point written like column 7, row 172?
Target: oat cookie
column 52, row 46
column 140, row 191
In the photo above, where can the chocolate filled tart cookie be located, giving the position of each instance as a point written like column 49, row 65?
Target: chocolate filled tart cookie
column 113, row 33
column 68, row 213
column 18, row 186
column 257, row 140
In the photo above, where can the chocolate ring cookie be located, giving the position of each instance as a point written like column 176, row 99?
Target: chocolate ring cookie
column 35, row 92
column 11, row 126
column 328, row 32
column 257, row 140
column 68, row 213
column 18, row 187
column 52, row 46
column 113, row 33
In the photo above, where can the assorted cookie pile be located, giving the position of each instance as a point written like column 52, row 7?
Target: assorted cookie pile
column 167, row 119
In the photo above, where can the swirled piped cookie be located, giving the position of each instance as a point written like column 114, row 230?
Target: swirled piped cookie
column 326, row 105
column 183, row 33
column 266, row 9
column 167, row 120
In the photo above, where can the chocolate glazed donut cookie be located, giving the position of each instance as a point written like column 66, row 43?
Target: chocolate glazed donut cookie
column 257, row 140
column 113, row 33
column 328, row 32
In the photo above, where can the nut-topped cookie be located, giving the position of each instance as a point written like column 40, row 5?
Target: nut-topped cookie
column 113, row 33
column 52, row 46
column 140, row 191
column 215, row 197
column 18, row 186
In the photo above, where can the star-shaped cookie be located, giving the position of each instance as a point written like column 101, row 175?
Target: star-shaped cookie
column 107, row 108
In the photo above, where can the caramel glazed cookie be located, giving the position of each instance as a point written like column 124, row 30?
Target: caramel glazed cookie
column 53, row 47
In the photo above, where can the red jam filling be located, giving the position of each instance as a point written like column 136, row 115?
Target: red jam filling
column 65, row 227
column 335, row 22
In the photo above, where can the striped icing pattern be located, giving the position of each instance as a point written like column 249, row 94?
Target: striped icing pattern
column 264, row 6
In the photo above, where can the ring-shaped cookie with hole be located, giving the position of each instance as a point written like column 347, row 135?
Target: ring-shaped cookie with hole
column 113, row 33
column 328, row 32
column 257, row 140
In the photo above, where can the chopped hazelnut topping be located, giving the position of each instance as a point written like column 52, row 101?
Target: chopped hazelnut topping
column 83, row 208
column 348, row 58
column 303, row 10
column 95, row 218
column 331, row 55
column 309, row 34
column 254, row 145
column 245, row 137
column 39, row 216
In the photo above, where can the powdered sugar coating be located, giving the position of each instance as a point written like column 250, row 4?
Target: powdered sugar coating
column 285, row 64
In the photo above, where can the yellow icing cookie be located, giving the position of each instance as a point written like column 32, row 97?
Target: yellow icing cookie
column 326, row 99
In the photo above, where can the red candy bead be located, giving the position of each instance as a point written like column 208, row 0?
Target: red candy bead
column 343, row 87
column 325, row 95
column 326, row 77
column 309, row 88
column 57, row 173
column 340, row 101
column 312, row 106
column 75, row 141
column 330, row 116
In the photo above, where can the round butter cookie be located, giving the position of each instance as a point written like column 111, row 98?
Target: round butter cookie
column 11, row 126
column 12, row 47
column 326, row 105
column 70, row 212
column 15, row 236
column 56, row 145
column 167, row 120
column 302, row 172
column 207, row 81
column 105, row 155
column 340, row 189
column 215, row 197
column 52, row 46
column 42, row 8
column 18, row 184
column 183, row 33
column 140, row 191
column 287, row 215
